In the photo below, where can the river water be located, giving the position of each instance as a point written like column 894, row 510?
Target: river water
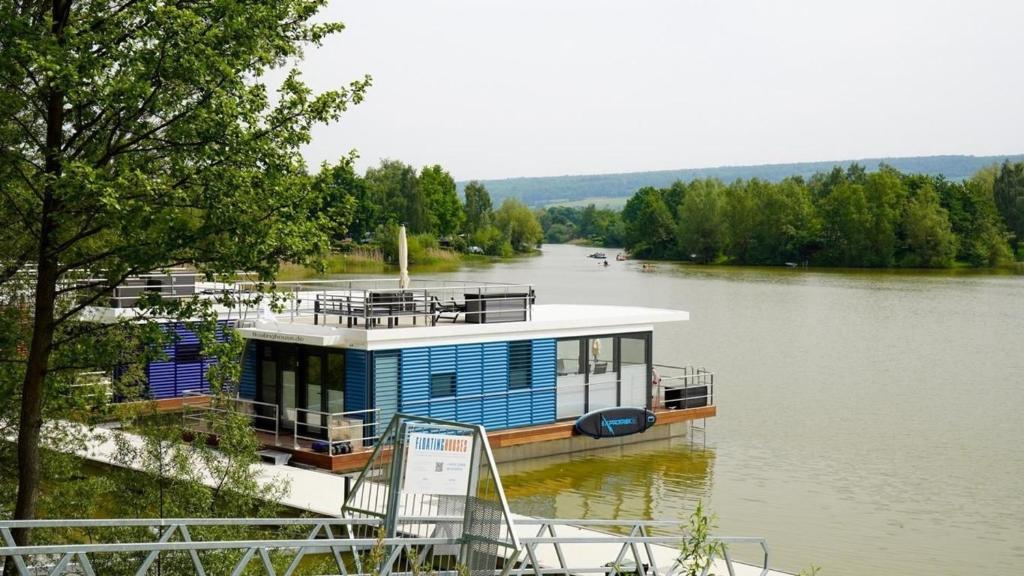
column 868, row 422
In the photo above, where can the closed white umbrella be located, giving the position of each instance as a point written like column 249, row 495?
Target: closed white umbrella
column 403, row 259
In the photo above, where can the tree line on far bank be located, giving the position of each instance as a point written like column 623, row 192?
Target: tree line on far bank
column 845, row 217
column 368, row 209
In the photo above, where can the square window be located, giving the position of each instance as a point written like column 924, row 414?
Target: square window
column 442, row 385
column 187, row 353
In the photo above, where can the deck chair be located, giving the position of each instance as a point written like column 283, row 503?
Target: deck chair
column 448, row 309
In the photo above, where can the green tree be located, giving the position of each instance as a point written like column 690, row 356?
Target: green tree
column 845, row 217
column 741, row 215
column 1008, row 189
column 492, row 241
column 885, row 194
column 702, row 226
column 519, row 225
column 984, row 240
column 136, row 136
column 444, row 210
column 393, row 196
column 929, row 239
column 478, row 207
column 339, row 188
column 559, row 233
column 649, row 226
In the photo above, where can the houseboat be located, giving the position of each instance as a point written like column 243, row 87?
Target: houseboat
column 322, row 376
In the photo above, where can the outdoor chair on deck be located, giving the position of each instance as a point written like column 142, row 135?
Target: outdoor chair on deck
column 448, row 309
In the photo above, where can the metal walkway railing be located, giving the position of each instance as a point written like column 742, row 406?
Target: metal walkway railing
column 351, row 546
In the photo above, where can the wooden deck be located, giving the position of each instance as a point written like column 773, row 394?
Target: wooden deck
column 303, row 453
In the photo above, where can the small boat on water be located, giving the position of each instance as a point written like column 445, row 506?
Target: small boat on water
column 621, row 257
column 598, row 255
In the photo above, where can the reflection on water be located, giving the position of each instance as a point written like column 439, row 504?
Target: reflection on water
column 624, row 482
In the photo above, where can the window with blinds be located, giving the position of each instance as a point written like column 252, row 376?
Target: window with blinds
column 442, row 385
column 520, row 363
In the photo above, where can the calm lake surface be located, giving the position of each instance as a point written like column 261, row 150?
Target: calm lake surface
column 867, row 422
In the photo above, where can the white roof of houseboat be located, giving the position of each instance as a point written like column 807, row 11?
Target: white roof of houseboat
column 546, row 321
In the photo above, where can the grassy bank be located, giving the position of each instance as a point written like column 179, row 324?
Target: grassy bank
column 372, row 262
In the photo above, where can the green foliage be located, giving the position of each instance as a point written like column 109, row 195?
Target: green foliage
column 701, row 221
column 444, row 209
column 649, row 226
column 600, row 226
column 492, row 241
column 929, row 238
column 519, row 225
column 339, row 189
column 698, row 550
column 393, row 196
column 846, row 217
column 1008, row 189
column 134, row 137
column 478, row 207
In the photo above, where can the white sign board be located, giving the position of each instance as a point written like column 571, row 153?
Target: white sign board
column 438, row 464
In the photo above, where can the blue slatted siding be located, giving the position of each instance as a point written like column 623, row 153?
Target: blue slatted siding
column 482, row 377
column 250, row 366
column 355, row 390
column 495, row 385
column 442, row 361
column 520, row 411
column 355, row 380
column 469, row 383
column 189, row 378
column 173, row 377
column 160, row 377
column 385, row 386
column 414, row 391
column 543, row 381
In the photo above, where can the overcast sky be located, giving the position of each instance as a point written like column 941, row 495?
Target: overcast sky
column 493, row 89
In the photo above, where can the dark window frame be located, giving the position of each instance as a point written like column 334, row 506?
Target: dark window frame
column 188, row 352
column 439, row 388
column 520, row 377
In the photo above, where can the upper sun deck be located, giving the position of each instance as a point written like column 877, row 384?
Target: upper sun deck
column 380, row 313
column 545, row 321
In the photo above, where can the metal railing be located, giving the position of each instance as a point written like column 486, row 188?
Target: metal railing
column 282, row 545
column 342, row 431
column 634, row 547
column 369, row 302
column 468, row 303
column 680, row 387
column 200, row 411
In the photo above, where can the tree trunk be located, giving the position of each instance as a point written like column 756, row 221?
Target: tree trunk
column 31, row 417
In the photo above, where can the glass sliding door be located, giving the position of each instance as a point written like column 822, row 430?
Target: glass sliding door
column 267, row 391
column 633, row 371
column 313, row 415
column 288, row 400
column 570, row 379
column 603, row 378
column 335, row 382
